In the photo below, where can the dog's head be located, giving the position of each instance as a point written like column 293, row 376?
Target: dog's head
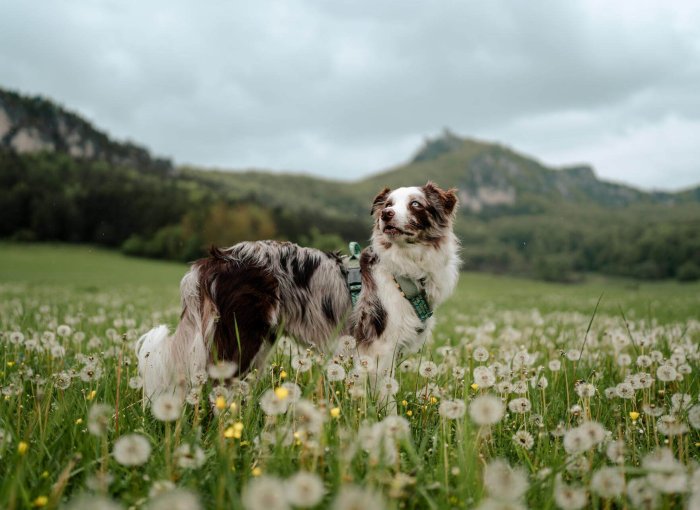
column 413, row 215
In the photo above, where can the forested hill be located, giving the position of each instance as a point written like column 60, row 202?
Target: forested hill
column 62, row 179
column 35, row 124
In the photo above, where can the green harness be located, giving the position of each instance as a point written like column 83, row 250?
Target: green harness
column 412, row 291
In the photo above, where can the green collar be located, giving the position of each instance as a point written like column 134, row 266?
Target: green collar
column 413, row 291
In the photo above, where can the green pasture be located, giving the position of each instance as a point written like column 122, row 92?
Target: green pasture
column 69, row 317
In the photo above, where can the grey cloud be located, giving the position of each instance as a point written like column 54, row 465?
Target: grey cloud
column 344, row 88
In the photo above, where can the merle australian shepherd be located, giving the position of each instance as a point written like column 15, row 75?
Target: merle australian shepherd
column 238, row 300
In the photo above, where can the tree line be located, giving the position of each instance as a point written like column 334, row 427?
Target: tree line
column 53, row 197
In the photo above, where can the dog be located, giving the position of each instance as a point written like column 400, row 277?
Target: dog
column 238, row 300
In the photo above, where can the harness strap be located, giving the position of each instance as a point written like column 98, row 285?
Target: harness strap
column 409, row 289
column 415, row 295
column 353, row 275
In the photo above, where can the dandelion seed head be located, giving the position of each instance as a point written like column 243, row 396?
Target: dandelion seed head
column 166, row 407
column 99, row 419
column 132, row 450
column 504, row 482
column 265, row 492
column 352, row 497
column 486, row 410
column 304, row 489
column 188, row 456
column 452, row 409
column 221, row 370
column 608, row 482
column 175, row 499
column 523, row 439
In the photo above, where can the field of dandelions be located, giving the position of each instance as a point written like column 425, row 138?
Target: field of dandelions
column 530, row 395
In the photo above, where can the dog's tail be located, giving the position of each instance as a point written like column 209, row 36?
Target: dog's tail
column 169, row 364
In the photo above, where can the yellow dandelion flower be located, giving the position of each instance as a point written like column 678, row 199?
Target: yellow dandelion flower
column 22, row 447
column 78, row 421
column 409, row 413
column 256, row 471
column 220, row 403
column 281, row 392
column 474, row 386
column 335, row 412
column 92, row 395
column 404, row 403
column 233, row 406
column 41, row 501
column 10, row 364
column 634, row 415
column 433, row 400
column 229, row 433
column 238, row 426
column 283, row 374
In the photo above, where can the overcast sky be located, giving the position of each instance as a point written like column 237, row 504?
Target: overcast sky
column 345, row 88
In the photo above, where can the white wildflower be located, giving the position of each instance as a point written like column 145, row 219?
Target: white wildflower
column 99, row 418
column 486, row 410
column 265, row 493
column 576, row 441
column 694, row 416
column 671, row 425
column 272, row 404
column 484, row 377
column 221, row 370
column 428, row 369
column 666, row 373
column 504, row 482
column 166, row 407
column 131, row 450
column 616, row 451
column 569, row 497
column 176, row 499
column 523, row 439
column 641, row 493
column 335, row 372
column 352, row 497
column 304, row 489
column 189, row 456
column 452, row 409
column 608, row 482
column 301, row 363
column 585, row 390
column 519, row 405
column 480, row 354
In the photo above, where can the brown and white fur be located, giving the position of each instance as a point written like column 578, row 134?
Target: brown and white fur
column 236, row 301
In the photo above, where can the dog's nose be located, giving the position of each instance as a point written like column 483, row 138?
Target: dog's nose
column 387, row 214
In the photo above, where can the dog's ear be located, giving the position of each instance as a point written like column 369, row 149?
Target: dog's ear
column 446, row 201
column 379, row 200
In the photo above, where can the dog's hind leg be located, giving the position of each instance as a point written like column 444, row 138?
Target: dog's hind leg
column 246, row 298
column 167, row 364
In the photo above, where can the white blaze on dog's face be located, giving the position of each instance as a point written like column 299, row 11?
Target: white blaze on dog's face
column 413, row 214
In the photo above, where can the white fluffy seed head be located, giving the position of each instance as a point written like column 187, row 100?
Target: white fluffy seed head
column 132, row 450
column 486, row 410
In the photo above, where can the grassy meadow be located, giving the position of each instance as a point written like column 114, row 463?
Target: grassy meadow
column 531, row 395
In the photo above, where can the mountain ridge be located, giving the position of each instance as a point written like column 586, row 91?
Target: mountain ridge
column 30, row 124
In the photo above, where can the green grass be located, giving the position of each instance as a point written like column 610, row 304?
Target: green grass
column 82, row 266
column 47, row 455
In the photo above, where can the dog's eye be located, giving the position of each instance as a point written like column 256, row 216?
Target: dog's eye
column 416, row 204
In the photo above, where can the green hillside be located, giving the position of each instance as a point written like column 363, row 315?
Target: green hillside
column 516, row 215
